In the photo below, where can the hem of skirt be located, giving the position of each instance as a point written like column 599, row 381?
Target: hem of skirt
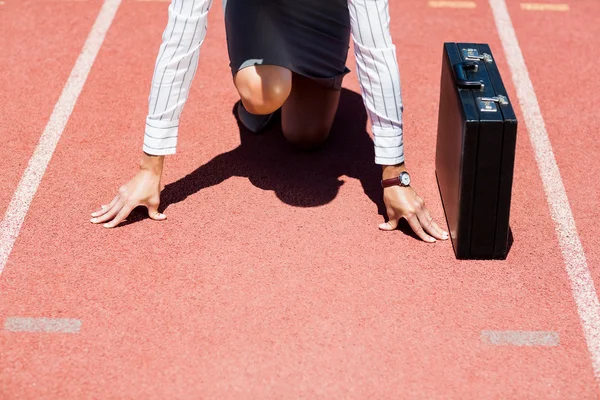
column 334, row 82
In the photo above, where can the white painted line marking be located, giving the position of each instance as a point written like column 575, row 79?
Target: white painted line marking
column 520, row 338
column 582, row 284
column 49, row 325
column 544, row 7
column 452, row 4
column 21, row 200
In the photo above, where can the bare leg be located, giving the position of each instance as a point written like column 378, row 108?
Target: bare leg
column 308, row 113
column 263, row 88
column 308, row 109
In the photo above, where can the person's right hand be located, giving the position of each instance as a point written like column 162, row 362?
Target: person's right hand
column 142, row 190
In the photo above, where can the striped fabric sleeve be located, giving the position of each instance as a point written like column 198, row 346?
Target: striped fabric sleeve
column 379, row 77
column 174, row 72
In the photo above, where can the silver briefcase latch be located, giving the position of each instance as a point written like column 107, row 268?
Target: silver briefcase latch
column 473, row 54
column 488, row 104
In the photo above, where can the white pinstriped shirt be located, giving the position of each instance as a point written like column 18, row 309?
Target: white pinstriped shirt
column 377, row 70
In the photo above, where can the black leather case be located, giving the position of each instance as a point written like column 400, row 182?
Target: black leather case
column 475, row 152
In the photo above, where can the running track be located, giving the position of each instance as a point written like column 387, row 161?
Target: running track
column 270, row 278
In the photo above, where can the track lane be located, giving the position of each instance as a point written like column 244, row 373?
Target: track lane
column 267, row 298
column 40, row 41
column 561, row 47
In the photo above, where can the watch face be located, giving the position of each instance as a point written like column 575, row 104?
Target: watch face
column 405, row 179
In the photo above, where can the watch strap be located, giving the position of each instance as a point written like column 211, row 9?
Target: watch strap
column 395, row 181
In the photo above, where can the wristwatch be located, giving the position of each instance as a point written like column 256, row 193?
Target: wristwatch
column 401, row 180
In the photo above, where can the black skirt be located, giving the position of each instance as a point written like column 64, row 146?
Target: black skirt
column 308, row 37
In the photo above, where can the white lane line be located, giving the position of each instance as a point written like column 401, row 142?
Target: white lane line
column 582, row 284
column 520, row 338
column 21, row 200
column 48, row 325
column 452, row 4
column 544, row 7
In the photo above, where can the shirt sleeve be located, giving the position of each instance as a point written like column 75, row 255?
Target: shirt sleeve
column 174, row 72
column 379, row 77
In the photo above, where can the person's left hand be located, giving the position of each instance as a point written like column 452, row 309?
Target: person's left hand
column 404, row 202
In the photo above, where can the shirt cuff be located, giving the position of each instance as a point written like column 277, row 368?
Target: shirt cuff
column 389, row 145
column 160, row 137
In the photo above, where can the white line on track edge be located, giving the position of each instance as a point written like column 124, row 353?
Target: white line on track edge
column 582, row 284
column 30, row 181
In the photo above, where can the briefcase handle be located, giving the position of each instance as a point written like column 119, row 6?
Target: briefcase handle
column 460, row 75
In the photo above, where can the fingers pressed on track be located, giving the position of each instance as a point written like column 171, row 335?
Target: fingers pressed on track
column 105, row 208
column 154, row 214
column 123, row 213
column 414, row 223
column 110, row 213
column 430, row 226
column 391, row 225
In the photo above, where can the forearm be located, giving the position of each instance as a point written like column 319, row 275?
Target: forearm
column 152, row 163
column 174, row 72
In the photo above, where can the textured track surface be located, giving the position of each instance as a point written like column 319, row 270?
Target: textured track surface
column 270, row 278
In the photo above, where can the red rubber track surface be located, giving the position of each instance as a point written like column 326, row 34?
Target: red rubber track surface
column 270, row 278
column 559, row 49
column 39, row 42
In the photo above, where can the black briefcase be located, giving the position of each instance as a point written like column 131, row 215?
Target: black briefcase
column 475, row 152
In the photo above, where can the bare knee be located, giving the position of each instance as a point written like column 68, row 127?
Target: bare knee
column 306, row 136
column 264, row 88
